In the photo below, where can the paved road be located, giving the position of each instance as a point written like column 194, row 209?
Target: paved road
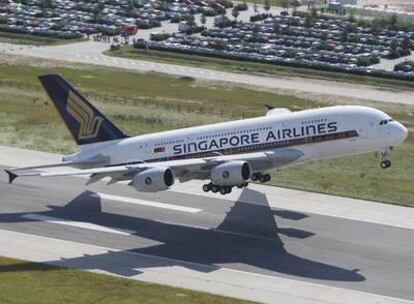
column 91, row 53
column 205, row 235
column 389, row 64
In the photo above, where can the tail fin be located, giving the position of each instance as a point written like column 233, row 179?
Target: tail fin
column 86, row 124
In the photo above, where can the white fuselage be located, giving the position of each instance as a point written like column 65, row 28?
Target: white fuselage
column 317, row 134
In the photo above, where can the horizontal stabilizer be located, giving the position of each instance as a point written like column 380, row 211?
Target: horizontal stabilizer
column 13, row 175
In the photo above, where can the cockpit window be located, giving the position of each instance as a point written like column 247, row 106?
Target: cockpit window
column 385, row 121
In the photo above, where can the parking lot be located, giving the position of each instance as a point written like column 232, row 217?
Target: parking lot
column 76, row 19
column 286, row 39
column 277, row 37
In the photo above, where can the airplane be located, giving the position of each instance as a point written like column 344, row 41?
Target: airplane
column 228, row 154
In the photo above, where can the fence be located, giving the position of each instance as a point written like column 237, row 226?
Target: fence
column 182, row 107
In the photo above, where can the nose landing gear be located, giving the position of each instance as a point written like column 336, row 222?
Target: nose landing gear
column 385, row 162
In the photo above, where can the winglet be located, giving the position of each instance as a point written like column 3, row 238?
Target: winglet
column 12, row 176
column 269, row 107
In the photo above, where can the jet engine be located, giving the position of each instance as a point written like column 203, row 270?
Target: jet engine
column 153, row 180
column 231, row 173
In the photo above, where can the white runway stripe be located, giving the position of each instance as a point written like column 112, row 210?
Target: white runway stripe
column 141, row 202
column 84, row 225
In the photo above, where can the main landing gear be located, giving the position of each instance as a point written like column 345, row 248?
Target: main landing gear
column 385, row 162
column 258, row 176
column 263, row 178
column 222, row 189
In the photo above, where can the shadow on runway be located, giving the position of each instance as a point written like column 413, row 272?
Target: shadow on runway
column 247, row 235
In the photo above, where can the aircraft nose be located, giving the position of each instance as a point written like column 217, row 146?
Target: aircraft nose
column 400, row 132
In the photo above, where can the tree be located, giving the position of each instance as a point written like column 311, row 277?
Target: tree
column 97, row 14
column 276, row 26
column 266, row 5
column 190, row 19
column 203, row 19
column 351, row 28
column 256, row 28
column 394, row 44
column 351, row 17
column 308, row 21
column 46, row 4
column 393, row 20
column 314, row 13
column 406, row 43
column 344, row 35
column 256, row 10
column 235, row 13
column 130, row 6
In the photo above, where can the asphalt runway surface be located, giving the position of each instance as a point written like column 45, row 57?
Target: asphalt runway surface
column 239, row 235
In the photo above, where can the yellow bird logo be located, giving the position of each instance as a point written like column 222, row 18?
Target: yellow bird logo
column 89, row 124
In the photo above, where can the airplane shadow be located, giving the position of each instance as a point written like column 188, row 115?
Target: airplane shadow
column 247, row 235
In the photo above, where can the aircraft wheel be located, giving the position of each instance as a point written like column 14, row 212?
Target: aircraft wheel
column 263, row 179
column 206, row 187
column 385, row 164
column 223, row 190
column 228, row 189
column 215, row 188
column 267, row 177
column 255, row 177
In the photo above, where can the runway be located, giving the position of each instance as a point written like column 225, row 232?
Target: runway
column 242, row 246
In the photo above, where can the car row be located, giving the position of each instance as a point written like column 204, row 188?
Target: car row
column 96, row 16
column 319, row 43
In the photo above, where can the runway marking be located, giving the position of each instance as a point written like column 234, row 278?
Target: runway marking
column 317, row 205
column 311, row 292
column 78, row 224
column 146, row 203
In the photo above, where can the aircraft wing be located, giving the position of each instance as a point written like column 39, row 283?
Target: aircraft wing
column 186, row 169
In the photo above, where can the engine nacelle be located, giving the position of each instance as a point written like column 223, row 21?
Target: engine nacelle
column 231, row 173
column 153, row 180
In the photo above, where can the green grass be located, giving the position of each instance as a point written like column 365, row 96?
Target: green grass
column 357, row 176
column 152, row 102
column 35, row 40
column 254, row 68
column 24, row 282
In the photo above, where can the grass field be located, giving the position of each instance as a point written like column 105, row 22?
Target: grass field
column 254, row 68
column 25, row 282
column 31, row 39
column 152, row 102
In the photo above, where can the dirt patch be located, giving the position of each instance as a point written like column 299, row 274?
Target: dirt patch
column 8, row 59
